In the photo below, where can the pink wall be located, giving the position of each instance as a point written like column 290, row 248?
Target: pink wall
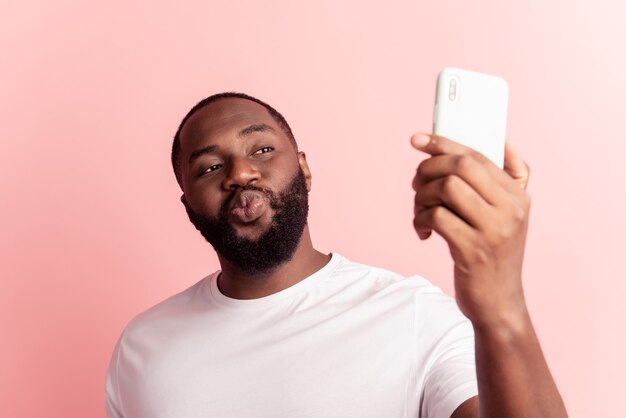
column 92, row 228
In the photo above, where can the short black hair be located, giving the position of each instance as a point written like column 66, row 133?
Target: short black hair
column 280, row 120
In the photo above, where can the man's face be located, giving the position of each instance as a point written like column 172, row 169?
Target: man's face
column 245, row 187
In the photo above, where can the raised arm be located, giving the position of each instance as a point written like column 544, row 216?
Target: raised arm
column 482, row 213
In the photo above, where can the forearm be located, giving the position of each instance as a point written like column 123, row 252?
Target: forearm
column 482, row 213
column 513, row 376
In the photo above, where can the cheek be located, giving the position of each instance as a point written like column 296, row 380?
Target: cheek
column 204, row 198
column 280, row 172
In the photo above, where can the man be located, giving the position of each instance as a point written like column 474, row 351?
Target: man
column 283, row 330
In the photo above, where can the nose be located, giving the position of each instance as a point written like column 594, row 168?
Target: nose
column 240, row 172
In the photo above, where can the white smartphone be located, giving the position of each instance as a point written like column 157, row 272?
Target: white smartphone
column 471, row 108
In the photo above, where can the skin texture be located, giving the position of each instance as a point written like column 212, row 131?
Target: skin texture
column 482, row 213
column 265, row 159
column 273, row 247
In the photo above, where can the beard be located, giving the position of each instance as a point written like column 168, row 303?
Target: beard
column 273, row 247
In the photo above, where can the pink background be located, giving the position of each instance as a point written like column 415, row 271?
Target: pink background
column 92, row 228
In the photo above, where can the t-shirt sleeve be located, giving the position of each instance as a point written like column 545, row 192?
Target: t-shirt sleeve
column 450, row 376
column 113, row 409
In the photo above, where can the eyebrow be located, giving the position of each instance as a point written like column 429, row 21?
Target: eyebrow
column 199, row 152
column 257, row 127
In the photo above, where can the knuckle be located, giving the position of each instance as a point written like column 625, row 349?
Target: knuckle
column 437, row 215
column 480, row 255
column 503, row 234
column 449, row 184
column 419, row 194
column 421, row 168
column 498, row 233
column 415, row 183
column 480, row 158
column 519, row 213
column 463, row 163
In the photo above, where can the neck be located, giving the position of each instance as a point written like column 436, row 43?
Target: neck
column 240, row 285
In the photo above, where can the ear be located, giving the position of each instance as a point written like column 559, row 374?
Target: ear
column 305, row 169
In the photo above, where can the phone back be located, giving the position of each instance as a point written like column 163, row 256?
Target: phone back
column 471, row 108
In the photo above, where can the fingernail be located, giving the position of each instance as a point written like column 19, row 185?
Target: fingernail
column 420, row 140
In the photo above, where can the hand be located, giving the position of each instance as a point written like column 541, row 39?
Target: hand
column 482, row 213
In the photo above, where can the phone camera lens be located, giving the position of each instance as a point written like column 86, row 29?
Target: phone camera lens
column 452, row 89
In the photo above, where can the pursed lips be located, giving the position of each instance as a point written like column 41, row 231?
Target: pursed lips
column 247, row 206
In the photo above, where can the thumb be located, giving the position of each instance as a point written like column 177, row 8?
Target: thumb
column 514, row 165
column 420, row 141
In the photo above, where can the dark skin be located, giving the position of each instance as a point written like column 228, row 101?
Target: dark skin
column 486, row 238
column 262, row 156
column 482, row 213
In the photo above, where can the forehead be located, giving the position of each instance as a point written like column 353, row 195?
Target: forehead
column 223, row 117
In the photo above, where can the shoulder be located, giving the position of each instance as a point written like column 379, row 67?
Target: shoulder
column 431, row 306
column 434, row 311
column 168, row 311
column 381, row 279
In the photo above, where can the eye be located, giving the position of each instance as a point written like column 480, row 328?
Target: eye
column 264, row 150
column 212, row 168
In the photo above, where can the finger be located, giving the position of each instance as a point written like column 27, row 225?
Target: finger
column 440, row 219
column 515, row 165
column 463, row 166
column 438, row 145
column 458, row 196
column 425, row 234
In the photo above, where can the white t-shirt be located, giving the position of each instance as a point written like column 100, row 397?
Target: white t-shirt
column 348, row 341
